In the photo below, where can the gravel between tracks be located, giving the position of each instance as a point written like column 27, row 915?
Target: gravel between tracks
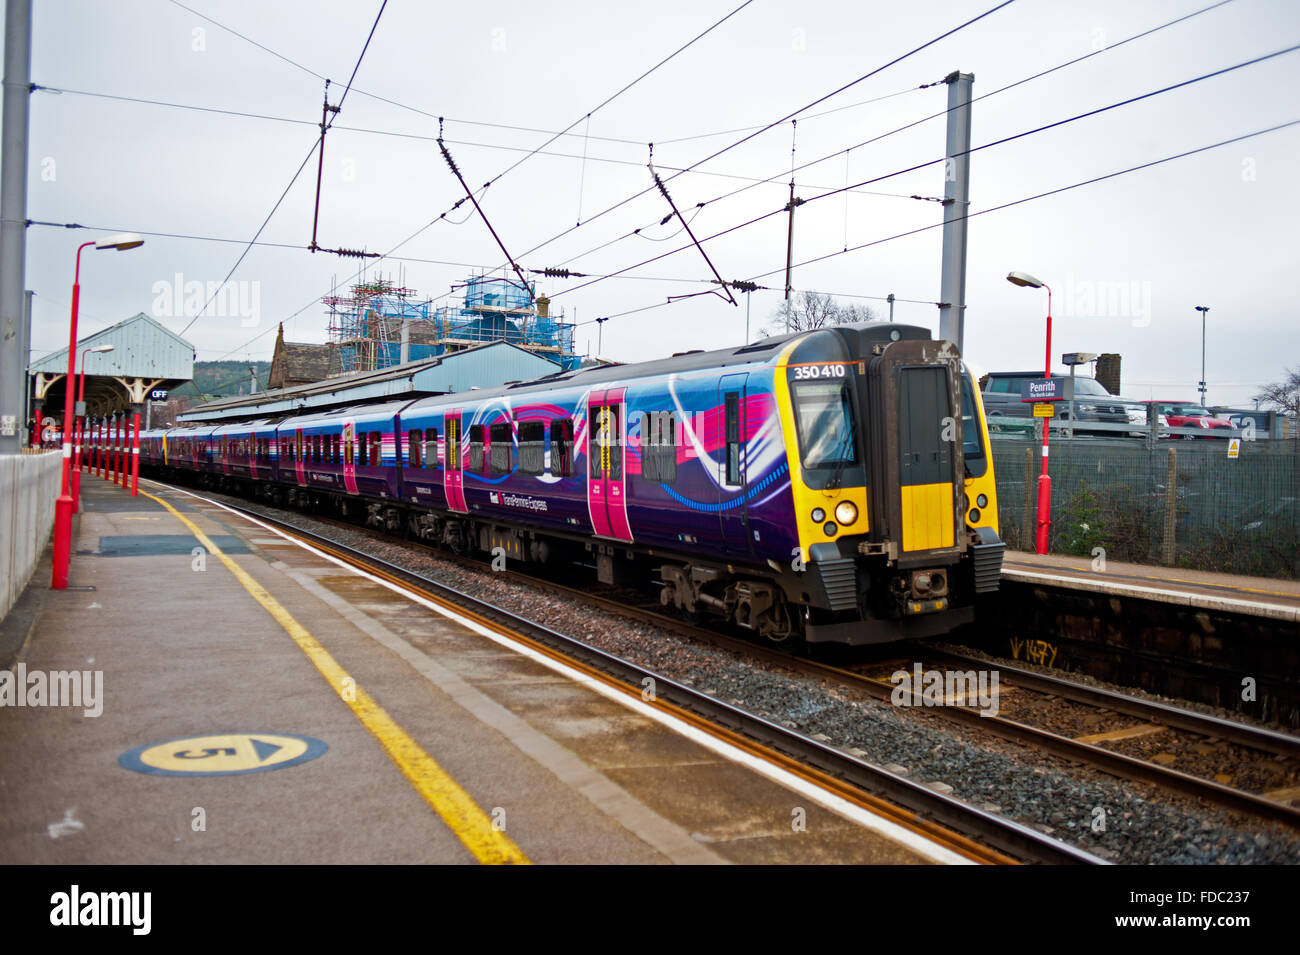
column 1120, row 821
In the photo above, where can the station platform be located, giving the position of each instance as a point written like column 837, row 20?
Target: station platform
column 246, row 700
column 1265, row 597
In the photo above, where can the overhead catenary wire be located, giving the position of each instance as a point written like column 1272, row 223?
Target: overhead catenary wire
column 997, row 142
column 878, row 138
column 319, row 144
column 1005, row 205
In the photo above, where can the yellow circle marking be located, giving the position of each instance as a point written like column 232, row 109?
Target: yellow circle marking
column 237, row 753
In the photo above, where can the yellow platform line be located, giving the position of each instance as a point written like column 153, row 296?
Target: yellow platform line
column 455, row 806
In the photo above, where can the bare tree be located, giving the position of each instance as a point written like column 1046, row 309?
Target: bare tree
column 1283, row 395
column 809, row 310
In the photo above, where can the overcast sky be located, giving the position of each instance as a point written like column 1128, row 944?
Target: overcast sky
column 1218, row 228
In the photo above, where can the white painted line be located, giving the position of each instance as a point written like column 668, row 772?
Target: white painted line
column 1164, row 595
column 868, row 820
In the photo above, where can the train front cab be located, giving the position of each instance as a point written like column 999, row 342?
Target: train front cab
column 892, row 484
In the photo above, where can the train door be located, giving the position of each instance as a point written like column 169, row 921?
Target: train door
column 733, row 468
column 453, row 471
column 925, row 466
column 607, row 464
column 300, row 466
column 349, row 440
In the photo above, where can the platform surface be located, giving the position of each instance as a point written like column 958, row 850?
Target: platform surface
column 1259, row 596
column 185, row 651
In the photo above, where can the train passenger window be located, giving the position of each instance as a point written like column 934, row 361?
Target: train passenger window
column 414, row 448
column 532, row 447
column 972, row 441
column 733, row 438
column 476, row 448
column 363, row 448
column 430, row 457
column 315, row 449
column 562, row 447
column 376, row 448
column 659, row 446
column 499, row 454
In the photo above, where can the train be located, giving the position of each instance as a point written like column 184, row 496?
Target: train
column 833, row 486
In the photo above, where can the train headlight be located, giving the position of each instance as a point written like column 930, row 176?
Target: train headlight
column 818, row 515
column 982, row 500
column 830, row 528
column 846, row 512
column 974, row 515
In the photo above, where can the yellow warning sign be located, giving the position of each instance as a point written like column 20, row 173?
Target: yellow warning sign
column 222, row 754
column 1234, row 447
column 1044, row 409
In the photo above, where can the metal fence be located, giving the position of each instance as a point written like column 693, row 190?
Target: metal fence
column 1179, row 503
column 29, row 486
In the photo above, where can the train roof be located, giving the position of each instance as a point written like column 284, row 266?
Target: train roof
column 761, row 352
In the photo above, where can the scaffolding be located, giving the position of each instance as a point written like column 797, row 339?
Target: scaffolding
column 377, row 320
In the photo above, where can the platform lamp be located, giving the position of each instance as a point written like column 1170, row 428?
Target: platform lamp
column 80, row 413
column 1204, row 310
column 63, row 506
column 1024, row 280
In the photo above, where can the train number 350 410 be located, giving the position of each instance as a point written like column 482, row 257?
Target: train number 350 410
column 819, row 371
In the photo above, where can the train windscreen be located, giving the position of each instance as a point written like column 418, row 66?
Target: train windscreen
column 824, row 417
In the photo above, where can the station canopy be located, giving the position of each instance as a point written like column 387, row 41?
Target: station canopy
column 145, row 357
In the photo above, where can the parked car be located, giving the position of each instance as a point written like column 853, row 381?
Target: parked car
column 1187, row 414
column 1092, row 402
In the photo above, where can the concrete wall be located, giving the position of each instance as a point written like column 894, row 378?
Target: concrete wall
column 29, row 486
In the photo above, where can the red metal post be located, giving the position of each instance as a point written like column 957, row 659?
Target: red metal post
column 36, row 435
column 63, row 506
column 1044, row 481
column 135, row 456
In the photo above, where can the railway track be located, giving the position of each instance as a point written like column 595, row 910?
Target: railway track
column 979, row 835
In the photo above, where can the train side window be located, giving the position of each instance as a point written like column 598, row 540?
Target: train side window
column 363, row 449
column 430, row 458
column 376, row 448
column 414, row 448
column 733, row 438
column 501, row 444
column 562, row 447
column 476, row 448
column 659, row 447
column 532, row 447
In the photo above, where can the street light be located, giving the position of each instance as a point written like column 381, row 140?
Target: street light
column 1204, row 310
column 63, row 506
column 1025, row 280
column 81, row 425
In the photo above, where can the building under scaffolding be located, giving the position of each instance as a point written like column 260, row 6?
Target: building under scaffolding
column 380, row 324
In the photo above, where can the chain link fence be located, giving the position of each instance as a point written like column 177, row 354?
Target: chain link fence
column 1179, row 503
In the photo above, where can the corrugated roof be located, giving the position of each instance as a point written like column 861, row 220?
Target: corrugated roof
column 142, row 348
column 482, row 367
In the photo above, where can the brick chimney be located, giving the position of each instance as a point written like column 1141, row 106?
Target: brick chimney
column 1108, row 372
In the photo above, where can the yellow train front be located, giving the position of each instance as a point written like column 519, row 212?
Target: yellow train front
column 892, row 484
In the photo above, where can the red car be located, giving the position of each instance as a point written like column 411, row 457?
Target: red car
column 1186, row 414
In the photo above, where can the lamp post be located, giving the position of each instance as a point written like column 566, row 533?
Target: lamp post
column 63, row 506
column 1204, row 310
column 1024, row 280
column 80, row 437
